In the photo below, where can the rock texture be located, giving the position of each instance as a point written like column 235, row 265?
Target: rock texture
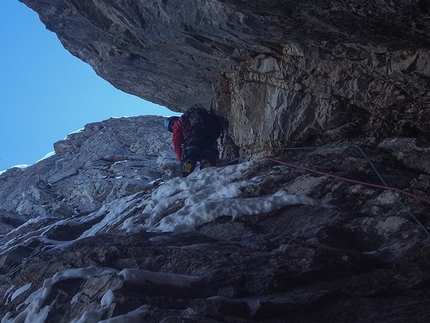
column 100, row 163
column 282, row 72
column 356, row 255
column 354, row 74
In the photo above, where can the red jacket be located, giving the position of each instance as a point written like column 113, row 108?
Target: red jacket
column 178, row 138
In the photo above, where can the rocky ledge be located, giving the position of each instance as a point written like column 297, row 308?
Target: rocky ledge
column 307, row 235
column 105, row 231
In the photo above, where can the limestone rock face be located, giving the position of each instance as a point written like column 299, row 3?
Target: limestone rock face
column 345, row 250
column 282, row 72
column 104, row 229
column 100, row 163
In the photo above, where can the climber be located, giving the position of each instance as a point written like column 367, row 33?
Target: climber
column 194, row 139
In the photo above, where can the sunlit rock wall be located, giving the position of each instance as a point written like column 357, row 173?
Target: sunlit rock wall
column 104, row 161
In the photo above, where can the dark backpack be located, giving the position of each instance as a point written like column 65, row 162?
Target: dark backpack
column 203, row 123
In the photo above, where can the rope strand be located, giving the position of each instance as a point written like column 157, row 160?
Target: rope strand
column 384, row 186
column 348, row 179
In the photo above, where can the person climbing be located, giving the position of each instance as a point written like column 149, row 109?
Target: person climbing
column 194, row 139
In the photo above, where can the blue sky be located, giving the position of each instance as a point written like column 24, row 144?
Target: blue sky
column 46, row 92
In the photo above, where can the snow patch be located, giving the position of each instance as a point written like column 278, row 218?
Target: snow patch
column 34, row 312
column 113, row 211
column 202, row 197
column 108, row 298
column 52, row 153
column 180, row 204
column 91, row 316
column 19, row 291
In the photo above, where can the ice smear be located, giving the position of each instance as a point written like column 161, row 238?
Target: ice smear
column 177, row 205
column 91, row 316
column 19, row 291
column 19, row 237
column 114, row 214
column 202, row 197
column 108, row 298
column 140, row 276
column 95, row 315
column 34, row 312
column 192, row 216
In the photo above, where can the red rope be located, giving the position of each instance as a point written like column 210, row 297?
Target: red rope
column 348, row 179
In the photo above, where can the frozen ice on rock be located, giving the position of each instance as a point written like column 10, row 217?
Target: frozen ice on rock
column 179, row 204
column 91, row 316
column 96, row 315
column 34, row 312
column 202, row 197
column 112, row 211
column 20, row 290
column 189, row 218
column 108, row 298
